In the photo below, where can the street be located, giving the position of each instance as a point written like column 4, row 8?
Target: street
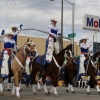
column 80, row 94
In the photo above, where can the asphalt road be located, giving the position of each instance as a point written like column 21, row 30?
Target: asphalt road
column 27, row 94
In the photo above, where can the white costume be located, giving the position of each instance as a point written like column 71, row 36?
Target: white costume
column 28, row 61
column 16, row 33
column 84, row 49
column 8, row 43
column 52, row 43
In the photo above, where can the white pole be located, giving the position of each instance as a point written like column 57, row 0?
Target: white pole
column 95, row 36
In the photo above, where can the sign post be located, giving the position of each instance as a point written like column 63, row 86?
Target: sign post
column 71, row 35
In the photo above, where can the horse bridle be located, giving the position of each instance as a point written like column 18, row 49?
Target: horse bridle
column 66, row 56
column 26, row 47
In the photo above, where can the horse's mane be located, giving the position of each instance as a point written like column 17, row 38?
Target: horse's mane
column 21, row 48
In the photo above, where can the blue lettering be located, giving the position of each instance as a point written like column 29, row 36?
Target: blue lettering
column 99, row 23
column 89, row 22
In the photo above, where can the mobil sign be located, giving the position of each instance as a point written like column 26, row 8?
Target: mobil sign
column 91, row 22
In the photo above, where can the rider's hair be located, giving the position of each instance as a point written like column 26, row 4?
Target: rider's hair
column 80, row 42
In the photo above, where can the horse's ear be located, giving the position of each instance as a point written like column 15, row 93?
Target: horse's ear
column 31, row 40
column 28, row 40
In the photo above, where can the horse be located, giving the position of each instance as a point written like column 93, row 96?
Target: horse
column 10, row 76
column 90, row 72
column 70, row 72
column 53, row 69
column 18, row 64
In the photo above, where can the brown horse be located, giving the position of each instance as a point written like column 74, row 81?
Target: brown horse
column 18, row 64
column 91, row 71
column 70, row 72
column 53, row 69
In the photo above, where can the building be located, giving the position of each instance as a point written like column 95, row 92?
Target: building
column 40, row 44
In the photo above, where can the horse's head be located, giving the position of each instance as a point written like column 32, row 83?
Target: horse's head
column 68, row 56
column 29, row 47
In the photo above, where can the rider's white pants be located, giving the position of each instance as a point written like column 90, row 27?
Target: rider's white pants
column 50, row 49
column 4, row 69
column 81, row 66
column 27, row 66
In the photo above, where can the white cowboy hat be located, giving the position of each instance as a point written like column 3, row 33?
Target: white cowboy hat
column 84, row 37
column 9, row 33
column 14, row 26
column 53, row 19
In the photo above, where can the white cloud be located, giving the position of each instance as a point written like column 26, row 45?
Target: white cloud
column 37, row 14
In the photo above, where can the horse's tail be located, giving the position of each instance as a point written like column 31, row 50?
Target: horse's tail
column 66, row 79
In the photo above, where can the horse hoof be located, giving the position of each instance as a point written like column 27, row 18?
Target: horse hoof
column 56, row 95
column 73, row 92
column 13, row 96
column 46, row 93
column 39, row 90
column 8, row 90
column 88, row 93
column 67, row 90
column 18, row 98
column 1, row 93
column 35, row 93
column 98, row 93
column 20, row 90
column 49, row 92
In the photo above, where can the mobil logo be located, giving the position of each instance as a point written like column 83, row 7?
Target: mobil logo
column 92, row 22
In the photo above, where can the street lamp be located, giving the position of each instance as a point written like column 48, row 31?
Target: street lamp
column 61, row 40
column 73, row 15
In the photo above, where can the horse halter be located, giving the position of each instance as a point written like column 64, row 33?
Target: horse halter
column 27, row 47
column 68, row 57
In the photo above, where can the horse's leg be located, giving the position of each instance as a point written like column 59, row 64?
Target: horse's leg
column 97, row 87
column 32, row 82
column 68, row 87
column 55, row 81
column 82, row 84
column 20, row 89
column 13, row 90
column 9, row 81
column 88, row 90
column 52, row 89
column 43, row 79
column 71, row 85
column 39, row 88
column 37, row 79
column 16, row 77
column 85, row 83
column 1, row 86
column 79, row 83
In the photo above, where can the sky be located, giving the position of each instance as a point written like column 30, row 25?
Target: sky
column 37, row 14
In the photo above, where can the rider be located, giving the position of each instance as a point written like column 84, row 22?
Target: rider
column 16, row 32
column 52, row 43
column 8, row 45
column 84, row 47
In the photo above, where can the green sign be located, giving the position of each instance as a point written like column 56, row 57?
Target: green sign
column 71, row 35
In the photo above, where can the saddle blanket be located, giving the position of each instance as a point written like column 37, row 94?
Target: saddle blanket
column 40, row 59
column 0, row 62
